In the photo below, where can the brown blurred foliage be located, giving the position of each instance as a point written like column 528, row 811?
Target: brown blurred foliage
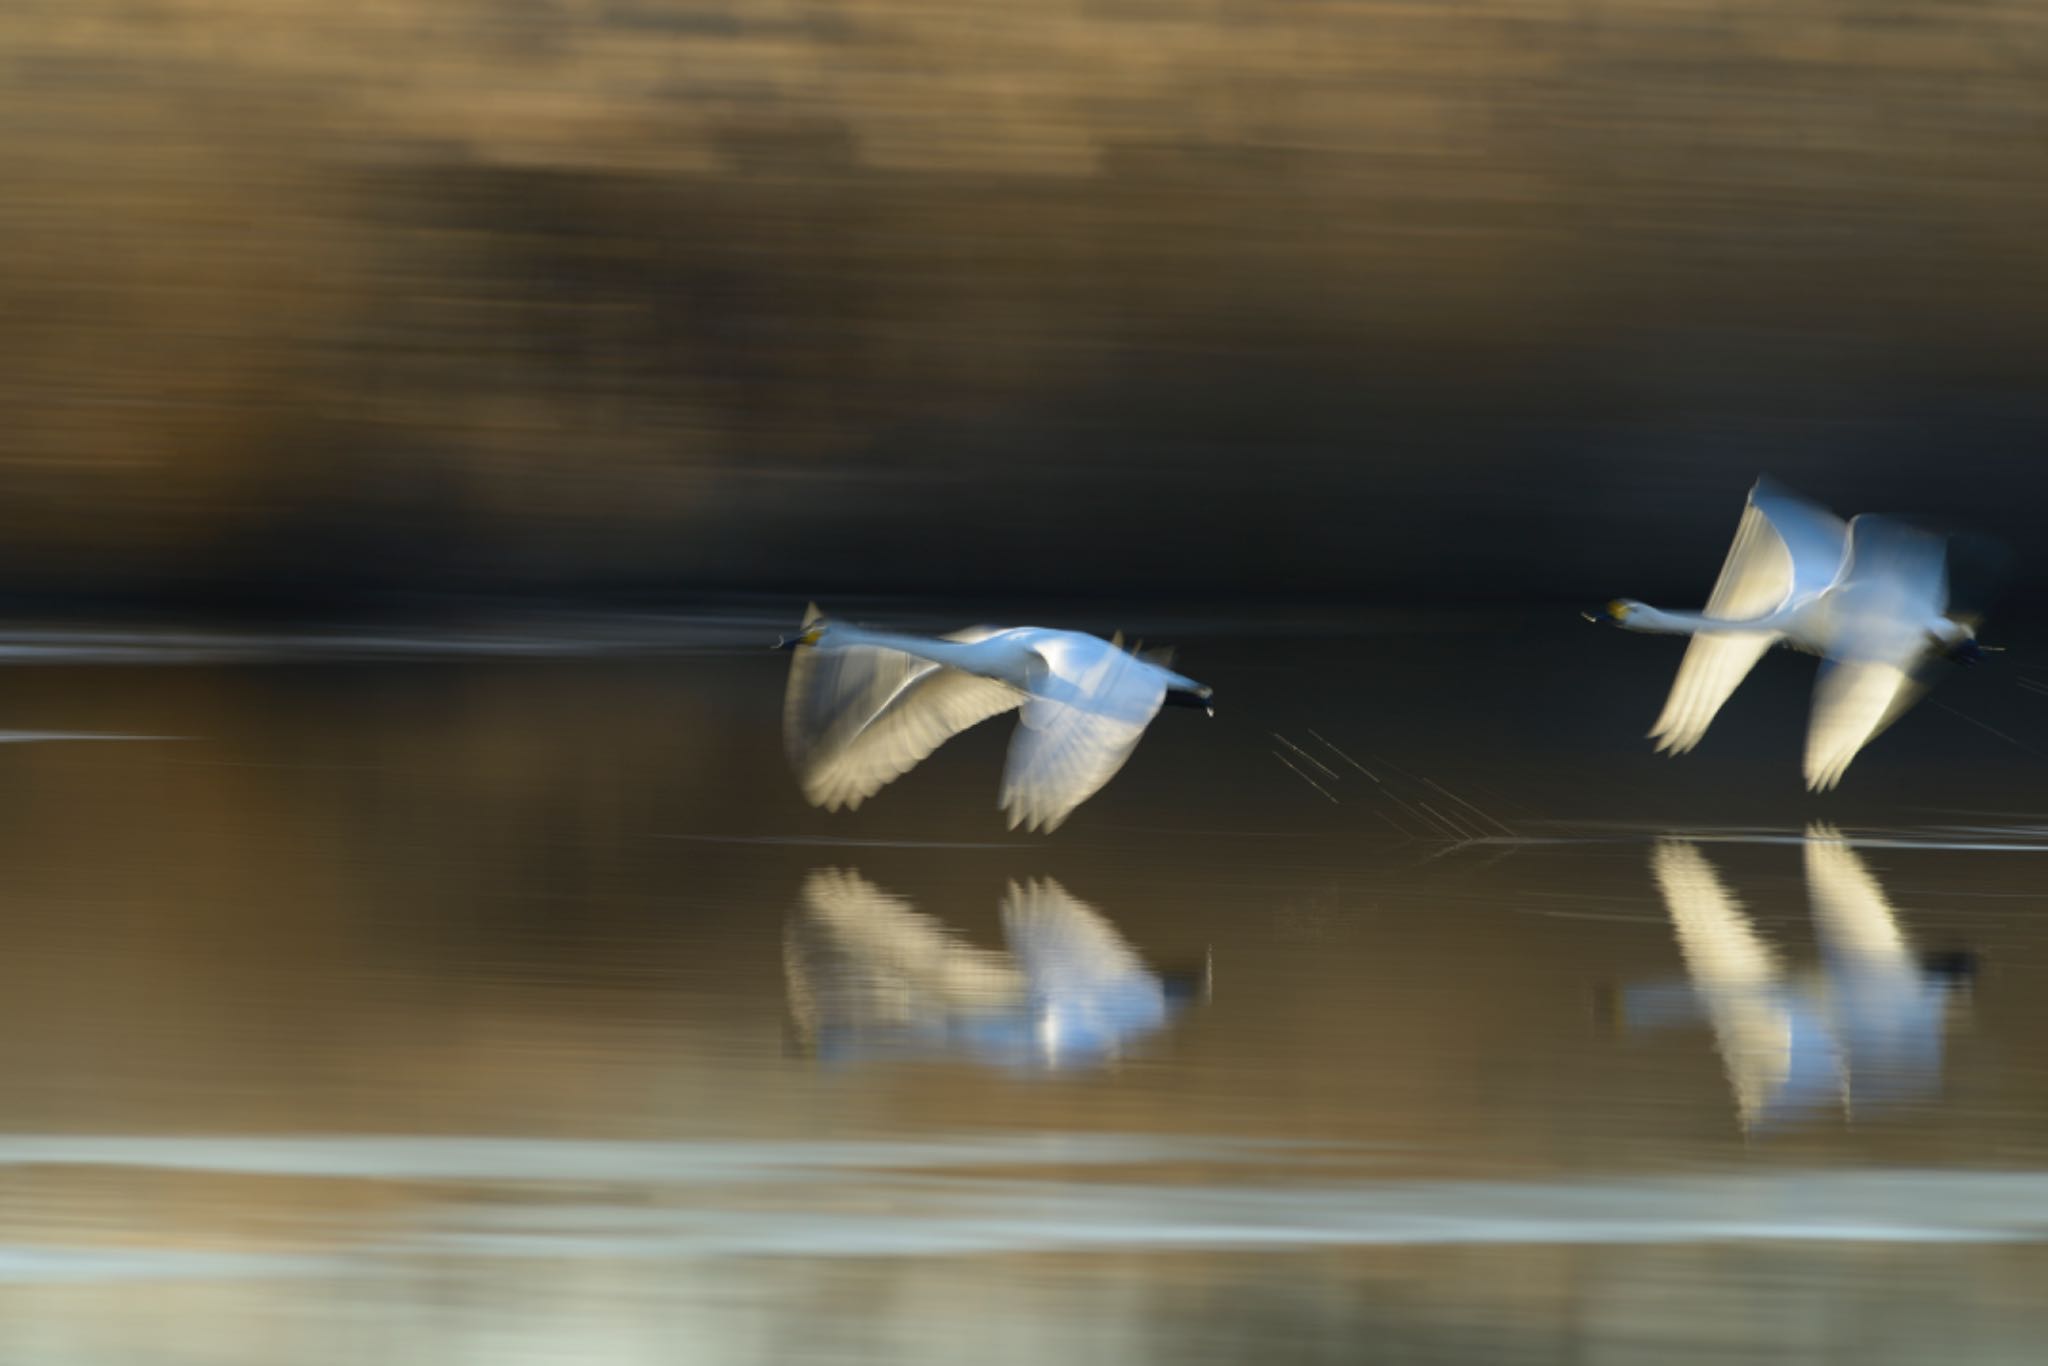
column 512, row 293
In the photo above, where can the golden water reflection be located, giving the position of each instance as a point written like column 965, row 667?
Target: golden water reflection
column 443, row 1012
column 1862, row 1034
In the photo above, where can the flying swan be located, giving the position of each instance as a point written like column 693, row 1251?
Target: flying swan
column 865, row 707
column 1870, row 597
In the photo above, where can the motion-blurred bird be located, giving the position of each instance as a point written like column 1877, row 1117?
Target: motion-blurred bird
column 1865, row 1031
column 1871, row 597
column 870, row 977
column 865, row 707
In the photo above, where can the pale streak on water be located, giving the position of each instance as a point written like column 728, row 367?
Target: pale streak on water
column 432, row 1005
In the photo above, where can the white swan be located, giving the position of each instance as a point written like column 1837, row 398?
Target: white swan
column 1870, row 597
column 868, row 976
column 865, row 707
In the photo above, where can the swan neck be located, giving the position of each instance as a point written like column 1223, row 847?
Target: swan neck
column 1656, row 619
column 957, row 654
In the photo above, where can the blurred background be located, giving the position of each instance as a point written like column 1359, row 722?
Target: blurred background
column 310, row 303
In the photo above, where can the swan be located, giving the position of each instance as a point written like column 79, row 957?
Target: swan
column 869, row 976
column 864, row 707
column 1869, row 596
column 1866, row 1030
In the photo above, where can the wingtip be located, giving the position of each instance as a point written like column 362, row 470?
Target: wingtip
column 1829, row 776
column 1827, row 780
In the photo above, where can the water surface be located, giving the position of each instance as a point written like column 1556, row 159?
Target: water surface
column 374, row 998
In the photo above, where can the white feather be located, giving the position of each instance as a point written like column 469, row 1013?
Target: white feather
column 864, row 707
column 1869, row 596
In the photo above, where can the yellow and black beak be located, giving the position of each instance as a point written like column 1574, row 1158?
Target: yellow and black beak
column 1616, row 612
column 809, row 636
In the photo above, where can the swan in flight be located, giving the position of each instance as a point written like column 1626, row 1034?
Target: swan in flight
column 867, row 975
column 865, row 707
column 1870, row 597
column 1865, row 1030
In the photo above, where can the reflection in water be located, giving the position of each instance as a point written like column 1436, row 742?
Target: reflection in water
column 1866, row 1030
column 435, row 1016
column 870, row 977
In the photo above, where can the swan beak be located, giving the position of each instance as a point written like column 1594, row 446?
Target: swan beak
column 1616, row 611
column 809, row 637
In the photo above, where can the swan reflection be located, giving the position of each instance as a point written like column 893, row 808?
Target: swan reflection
column 1864, row 1031
column 869, row 976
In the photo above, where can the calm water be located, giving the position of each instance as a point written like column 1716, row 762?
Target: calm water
column 495, row 998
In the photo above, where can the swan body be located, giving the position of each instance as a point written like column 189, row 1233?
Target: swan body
column 1869, row 596
column 864, row 707
column 869, row 976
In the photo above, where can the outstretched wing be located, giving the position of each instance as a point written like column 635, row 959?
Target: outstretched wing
column 1713, row 668
column 1898, row 565
column 1061, row 756
column 1785, row 549
column 1894, row 585
column 1815, row 541
column 857, row 717
column 1086, row 714
column 1854, row 700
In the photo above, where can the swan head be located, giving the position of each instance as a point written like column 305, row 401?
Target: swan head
column 810, row 635
column 1615, row 613
column 1955, row 641
column 1202, row 697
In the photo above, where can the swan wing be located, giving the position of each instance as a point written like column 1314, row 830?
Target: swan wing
column 857, row 717
column 1813, row 541
column 1713, row 668
column 1854, row 700
column 1089, row 706
column 1900, row 568
column 1883, row 657
column 1785, row 549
